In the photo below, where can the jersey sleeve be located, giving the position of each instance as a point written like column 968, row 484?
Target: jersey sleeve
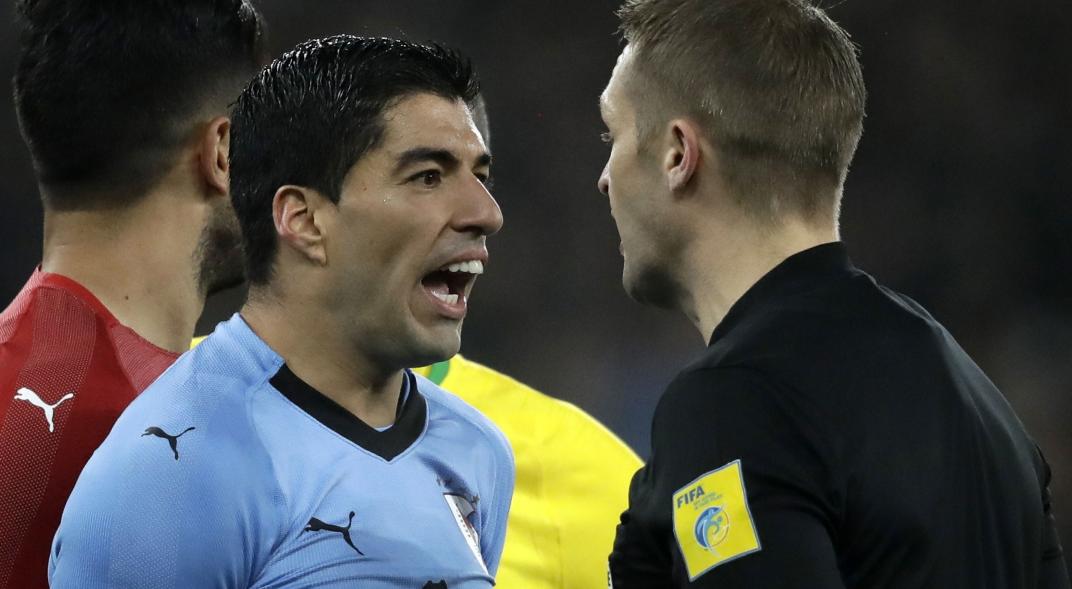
column 493, row 521
column 145, row 513
column 1053, row 573
column 734, row 494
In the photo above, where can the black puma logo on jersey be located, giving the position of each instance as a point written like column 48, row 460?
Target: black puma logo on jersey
column 440, row 585
column 173, row 441
column 316, row 525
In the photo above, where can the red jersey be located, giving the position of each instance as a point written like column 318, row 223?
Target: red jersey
column 68, row 368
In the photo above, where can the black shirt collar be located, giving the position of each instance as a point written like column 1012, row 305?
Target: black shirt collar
column 795, row 274
column 409, row 417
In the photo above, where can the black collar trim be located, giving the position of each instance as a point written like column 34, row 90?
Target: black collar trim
column 409, row 421
column 796, row 274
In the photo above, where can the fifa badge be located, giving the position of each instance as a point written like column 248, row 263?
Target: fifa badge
column 712, row 521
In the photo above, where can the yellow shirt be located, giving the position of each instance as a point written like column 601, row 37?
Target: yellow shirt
column 572, row 479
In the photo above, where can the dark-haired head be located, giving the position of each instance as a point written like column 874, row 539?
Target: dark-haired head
column 309, row 116
column 108, row 92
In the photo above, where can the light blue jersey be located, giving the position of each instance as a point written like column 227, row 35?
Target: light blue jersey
column 229, row 471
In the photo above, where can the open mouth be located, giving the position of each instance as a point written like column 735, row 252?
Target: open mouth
column 450, row 283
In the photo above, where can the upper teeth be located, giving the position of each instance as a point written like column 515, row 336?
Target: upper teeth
column 471, row 266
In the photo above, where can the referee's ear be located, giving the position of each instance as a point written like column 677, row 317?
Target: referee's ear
column 215, row 150
column 682, row 154
column 293, row 213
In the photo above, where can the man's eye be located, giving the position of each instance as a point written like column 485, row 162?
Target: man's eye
column 606, row 138
column 485, row 180
column 429, row 178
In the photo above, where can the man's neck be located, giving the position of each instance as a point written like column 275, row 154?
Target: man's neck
column 140, row 262
column 317, row 350
column 719, row 270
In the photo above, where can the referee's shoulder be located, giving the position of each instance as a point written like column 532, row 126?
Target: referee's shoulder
column 790, row 367
column 844, row 323
column 705, row 382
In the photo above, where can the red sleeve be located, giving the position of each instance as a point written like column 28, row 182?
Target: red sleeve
column 62, row 386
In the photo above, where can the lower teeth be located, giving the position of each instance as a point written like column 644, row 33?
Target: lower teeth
column 450, row 299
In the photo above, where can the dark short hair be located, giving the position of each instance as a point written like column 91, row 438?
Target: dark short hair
column 310, row 115
column 776, row 84
column 107, row 91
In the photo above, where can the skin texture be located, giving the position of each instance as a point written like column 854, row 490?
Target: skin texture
column 686, row 242
column 649, row 231
column 347, row 307
column 152, row 263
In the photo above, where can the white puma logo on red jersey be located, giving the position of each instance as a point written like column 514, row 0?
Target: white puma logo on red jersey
column 25, row 394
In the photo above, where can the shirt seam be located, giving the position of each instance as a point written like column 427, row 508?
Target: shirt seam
column 92, row 309
column 283, row 526
column 841, row 465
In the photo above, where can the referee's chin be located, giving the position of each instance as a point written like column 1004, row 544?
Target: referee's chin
column 651, row 286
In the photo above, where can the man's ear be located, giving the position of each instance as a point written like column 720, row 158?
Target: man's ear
column 215, row 151
column 682, row 154
column 295, row 211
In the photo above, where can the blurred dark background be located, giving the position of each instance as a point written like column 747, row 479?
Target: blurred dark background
column 959, row 196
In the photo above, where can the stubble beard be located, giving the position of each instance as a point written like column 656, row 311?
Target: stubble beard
column 219, row 253
column 652, row 285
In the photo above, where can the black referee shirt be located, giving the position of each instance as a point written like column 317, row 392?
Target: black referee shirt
column 835, row 435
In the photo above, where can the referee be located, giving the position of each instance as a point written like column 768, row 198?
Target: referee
column 833, row 434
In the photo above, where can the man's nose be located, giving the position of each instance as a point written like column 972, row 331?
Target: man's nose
column 604, row 180
column 482, row 213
